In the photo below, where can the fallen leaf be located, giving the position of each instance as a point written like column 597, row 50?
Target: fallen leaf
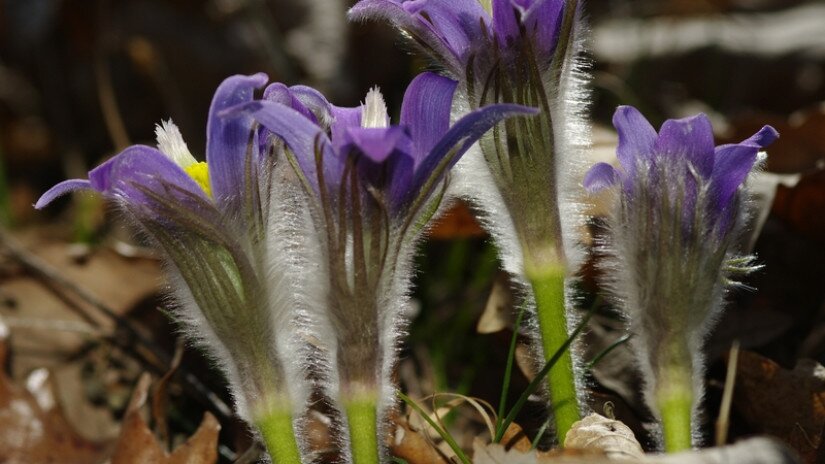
column 458, row 222
column 498, row 312
column 611, row 436
column 413, row 447
column 800, row 147
column 788, row 404
column 32, row 423
column 794, row 205
column 138, row 445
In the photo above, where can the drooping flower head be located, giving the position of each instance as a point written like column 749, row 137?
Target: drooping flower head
column 210, row 220
column 679, row 209
column 371, row 187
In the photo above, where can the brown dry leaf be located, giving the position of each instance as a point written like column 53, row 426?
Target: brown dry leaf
column 801, row 145
column 32, row 427
column 783, row 403
column 796, row 205
column 458, row 222
column 611, row 436
column 514, row 438
column 498, row 312
column 44, row 326
column 138, row 445
column 491, row 453
column 413, row 447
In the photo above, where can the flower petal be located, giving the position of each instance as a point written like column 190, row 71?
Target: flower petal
column 426, row 111
column 600, row 177
column 422, row 32
column 139, row 168
column 506, row 18
column 543, row 21
column 691, row 138
column 766, row 136
column 301, row 136
column 731, row 167
column 61, row 189
column 461, row 136
column 227, row 139
column 378, row 143
column 636, row 137
column 343, row 119
column 457, row 22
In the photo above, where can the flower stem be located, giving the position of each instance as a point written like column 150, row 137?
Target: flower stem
column 279, row 436
column 674, row 397
column 548, row 288
column 363, row 431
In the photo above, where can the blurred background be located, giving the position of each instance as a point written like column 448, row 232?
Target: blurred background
column 82, row 79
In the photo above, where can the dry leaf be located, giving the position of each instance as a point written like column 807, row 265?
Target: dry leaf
column 413, row 447
column 783, row 403
column 458, row 222
column 795, row 205
column 800, row 147
column 32, row 427
column 611, row 436
column 498, row 312
column 138, row 445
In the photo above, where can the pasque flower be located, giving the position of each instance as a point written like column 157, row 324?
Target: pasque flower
column 371, row 188
column 678, row 212
column 525, row 52
column 216, row 223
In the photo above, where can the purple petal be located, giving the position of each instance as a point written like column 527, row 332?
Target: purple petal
column 461, row 136
column 457, row 22
column 543, row 20
column 280, row 93
column 766, row 136
column 506, row 18
column 731, row 167
column 342, row 120
column 301, row 136
column 61, row 189
column 377, row 143
column 147, row 167
column 600, row 177
column 691, row 138
column 421, row 30
column 227, row 138
column 426, row 111
column 636, row 137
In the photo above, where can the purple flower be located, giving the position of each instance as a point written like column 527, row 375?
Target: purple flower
column 210, row 220
column 680, row 164
column 371, row 188
column 459, row 32
column 670, row 251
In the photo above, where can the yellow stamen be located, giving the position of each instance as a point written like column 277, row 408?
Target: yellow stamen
column 200, row 173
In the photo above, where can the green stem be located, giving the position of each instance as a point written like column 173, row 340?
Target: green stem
column 548, row 288
column 674, row 396
column 363, row 431
column 279, row 436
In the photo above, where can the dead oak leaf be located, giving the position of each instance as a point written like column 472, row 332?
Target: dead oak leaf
column 137, row 443
column 788, row 404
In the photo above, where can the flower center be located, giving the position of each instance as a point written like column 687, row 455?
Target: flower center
column 375, row 110
column 171, row 144
column 199, row 172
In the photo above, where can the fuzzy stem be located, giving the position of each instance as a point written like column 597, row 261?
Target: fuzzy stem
column 363, row 431
column 548, row 288
column 279, row 436
column 674, row 397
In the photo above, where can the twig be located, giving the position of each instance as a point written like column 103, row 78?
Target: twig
column 126, row 332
